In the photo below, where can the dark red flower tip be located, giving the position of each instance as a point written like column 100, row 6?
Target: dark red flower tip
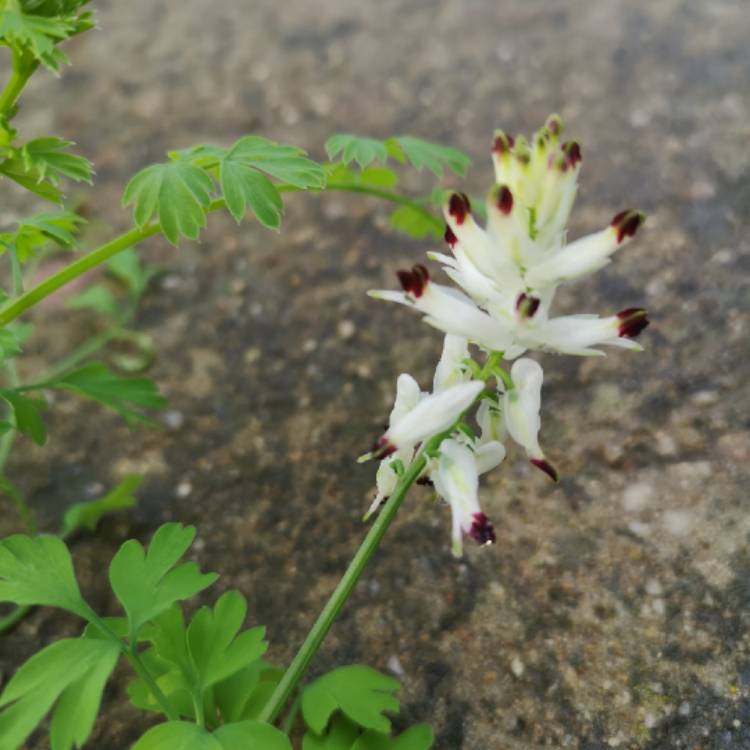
column 527, row 305
column 546, row 467
column 554, row 124
column 504, row 200
column 459, row 207
column 414, row 282
column 383, row 448
column 632, row 321
column 482, row 531
column 450, row 237
column 572, row 151
column 425, row 481
column 503, row 143
column 627, row 223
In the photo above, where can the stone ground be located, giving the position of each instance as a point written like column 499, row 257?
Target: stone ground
column 614, row 610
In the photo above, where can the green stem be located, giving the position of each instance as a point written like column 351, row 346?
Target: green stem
column 103, row 253
column 16, row 83
column 345, row 586
column 389, row 196
column 291, row 715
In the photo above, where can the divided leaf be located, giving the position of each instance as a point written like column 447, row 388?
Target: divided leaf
column 244, row 187
column 433, row 156
column 182, row 735
column 36, row 231
column 216, row 649
column 87, row 515
column 123, row 395
column 47, row 159
column 37, row 34
column 38, row 570
column 177, row 194
column 354, row 148
column 147, row 583
column 418, row 737
column 72, row 672
column 361, row 693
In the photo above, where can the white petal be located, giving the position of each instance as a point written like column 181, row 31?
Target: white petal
column 433, row 414
column 579, row 258
column 521, row 405
column 576, row 334
column 490, row 421
column 489, row 455
column 408, row 396
column 450, row 369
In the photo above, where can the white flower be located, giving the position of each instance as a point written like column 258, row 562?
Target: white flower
column 521, row 405
column 451, row 368
column 457, row 480
column 510, row 271
column 432, row 415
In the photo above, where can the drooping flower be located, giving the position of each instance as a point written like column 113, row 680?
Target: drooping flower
column 457, row 480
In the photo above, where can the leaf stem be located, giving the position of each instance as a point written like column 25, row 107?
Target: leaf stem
column 19, row 77
column 344, row 588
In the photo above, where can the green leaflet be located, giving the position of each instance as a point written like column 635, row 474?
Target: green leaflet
column 72, row 672
column 419, row 153
column 244, row 187
column 26, row 414
column 361, row 693
column 37, row 34
column 147, row 582
column 36, row 231
column 415, row 223
column 38, row 570
column 177, row 194
column 87, row 515
column 126, row 396
column 182, row 735
column 48, row 160
column 342, row 734
column 354, row 148
column 210, row 660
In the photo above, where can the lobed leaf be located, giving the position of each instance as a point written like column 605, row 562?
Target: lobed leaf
column 47, row 159
column 418, row 737
column 362, row 694
column 39, row 571
column 37, row 34
column 354, row 148
column 433, row 156
column 36, row 231
column 244, row 187
column 87, row 515
column 72, row 672
column 97, row 298
column 177, row 194
column 126, row 396
column 147, row 582
column 182, row 735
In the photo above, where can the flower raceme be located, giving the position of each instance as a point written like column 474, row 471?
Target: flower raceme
column 506, row 276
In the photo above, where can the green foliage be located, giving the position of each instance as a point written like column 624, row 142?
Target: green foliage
column 128, row 269
column 37, row 231
column 71, row 674
column 147, row 583
column 27, row 418
column 97, row 298
column 354, row 148
column 47, row 159
column 37, row 35
column 177, row 194
column 419, row 153
column 126, row 396
column 377, row 177
column 87, row 515
column 38, row 570
column 362, row 694
column 209, row 663
column 344, row 735
column 182, row 735
column 415, row 223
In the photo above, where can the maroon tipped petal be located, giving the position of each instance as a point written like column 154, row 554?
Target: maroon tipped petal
column 627, row 223
column 632, row 321
column 383, row 448
column 449, row 237
column 502, row 144
column 572, row 150
column 554, row 125
column 414, row 282
column 482, row 531
column 459, row 207
column 504, row 200
column 527, row 305
column 546, row 467
column 425, row 481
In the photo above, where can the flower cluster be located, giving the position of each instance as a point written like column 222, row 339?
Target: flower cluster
column 508, row 274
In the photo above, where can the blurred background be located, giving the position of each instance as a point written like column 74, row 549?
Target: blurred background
column 614, row 610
